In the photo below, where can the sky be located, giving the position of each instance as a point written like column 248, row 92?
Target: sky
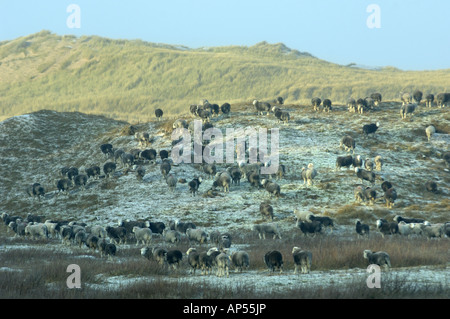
column 407, row 34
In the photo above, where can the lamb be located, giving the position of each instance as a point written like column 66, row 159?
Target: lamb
column 344, row 161
column 359, row 194
column 430, row 130
column 197, row 235
column 194, row 185
column 386, row 228
column 365, row 175
column 266, row 210
column 370, row 128
column 171, row 236
column 406, row 98
column 271, row 187
column 36, row 230
column 262, row 107
column 309, row 227
column 302, row 259
column 240, row 260
column 308, row 174
column 142, row 234
column 379, row 258
column 362, row 229
column 348, row 143
column 269, row 229
column 407, row 109
column 174, row 258
column 274, row 260
column 165, row 168
column 127, row 159
column 193, row 259
column 117, row 234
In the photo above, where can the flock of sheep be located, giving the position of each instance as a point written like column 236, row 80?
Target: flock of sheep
column 221, row 257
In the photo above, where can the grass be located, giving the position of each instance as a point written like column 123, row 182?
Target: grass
column 129, row 79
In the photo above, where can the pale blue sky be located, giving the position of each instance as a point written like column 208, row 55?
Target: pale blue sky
column 414, row 34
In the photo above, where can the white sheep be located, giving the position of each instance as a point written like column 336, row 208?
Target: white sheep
column 308, row 174
column 223, row 265
column 301, row 215
column 142, row 234
column 302, row 259
column 36, row 230
column 269, row 229
column 430, row 130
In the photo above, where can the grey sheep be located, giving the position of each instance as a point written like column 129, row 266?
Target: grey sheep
column 351, row 105
column 63, row 185
column 235, row 174
column 379, row 258
column 223, row 180
column 370, row 195
column 117, row 234
column 430, row 131
column 209, row 169
column 326, row 103
column 193, row 259
column 271, row 187
column 127, row 159
column 36, row 230
column 165, row 168
column 407, row 109
column 171, row 182
column 429, row 100
column 302, row 259
column 266, row 210
column 406, row 98
column 107, row 249
column 365, row 175
column 262, row 107
column 254, row 179
column 240, row 260
column 274, row 260
column 442, row 99
column 390, row 196
column 80, row 180
column 417, row 96
column 143, row 235
column 308, row 174
column 348, row 143
column 181, row 226
column 433, row 230
column 171, row 236
column 197, row 235
column 267, row 229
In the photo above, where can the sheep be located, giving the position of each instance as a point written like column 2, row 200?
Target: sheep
column 269, row 229
column 171, row 182
column 433, row 230
column 281, row 171
column 442, row 99
column 351, row 105
column 325, row 221
column 271, row 187
column 240, row 260
column 282, row 116
column 63, row 185
column 117, row 234
column 209, row 169
column 205, row 262
column 431, row 186
column 66, row 234
column 194, row 184
column 266, row 210
column 379, row 258
column 223, row 180
column 316, row 103
column 109, row 169
column 359, row 194
column 36, row 230
column 109, row 249
column 158, row 254
column 365, row 175
column 225, row 108
column 80, row 238
column 406, row 98
column 174, row 258
column 302, row 259
column 404, row 229
column 370, row 194
column 254, row 179
column 407, row 109
column 343, row 161
column 193, row 259
column 247, row 169
column 370, row 128
column 348, row 143
column 386, row 228
column 386, row 185
column 197, row 235
column 262, row 107
column 274, row 260
column 36, row 190
column 390, row 196
column 129, row 224
column 181, row 226
column 171, row 236
column 407, row 220
column 417, row 96
column 235, row 174
column 309, row 227
column 361, row 105
column 80, row 180
column 357, row 161
column 308, row 174
column 429, row 100
column 107, row 149
column 92, row 241
column 301, row 215
column 93, row 171
column 429, row 131
column 368, row 164
column 159, row 113
column 362, row 229
column 378, row 161
column 148, row 154
column 376, row 97
column 326, row 105
column 142, row 234
column 223, row 265
column 7, row 218
column 225, row 241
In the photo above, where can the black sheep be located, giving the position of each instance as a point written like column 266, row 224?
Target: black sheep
column 362, row 229
column 225, row 108
column 370, row 128
column 365, row 175
column 344, row 161
column 316, row 103
column 159, row 113
column 194, row 185
column 274, row 260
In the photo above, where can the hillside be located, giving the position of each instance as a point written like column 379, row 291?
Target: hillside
column 129, row 79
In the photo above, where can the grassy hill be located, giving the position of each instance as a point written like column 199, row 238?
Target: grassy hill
column 129, row 79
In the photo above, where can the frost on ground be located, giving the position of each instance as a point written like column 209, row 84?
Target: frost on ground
column 36, row 146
